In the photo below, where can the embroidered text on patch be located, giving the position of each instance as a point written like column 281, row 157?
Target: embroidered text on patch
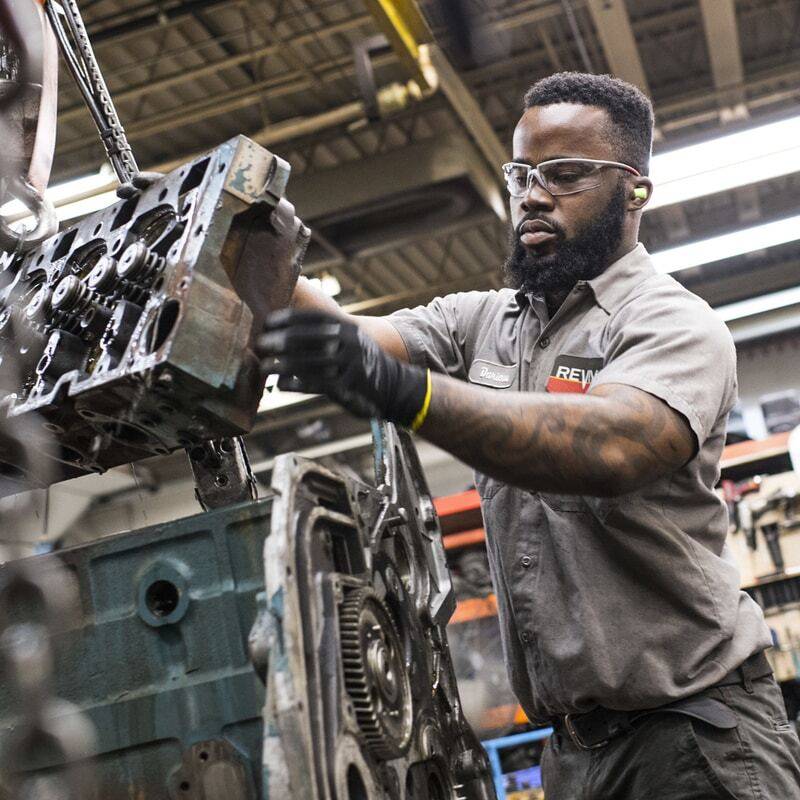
column 487, row 373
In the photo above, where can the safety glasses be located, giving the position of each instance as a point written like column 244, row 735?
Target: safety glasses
column 559, row 176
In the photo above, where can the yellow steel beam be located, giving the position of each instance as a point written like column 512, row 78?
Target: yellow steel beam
column 406, row 29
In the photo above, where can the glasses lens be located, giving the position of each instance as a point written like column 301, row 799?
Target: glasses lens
column 566, row 177
column 516, row 179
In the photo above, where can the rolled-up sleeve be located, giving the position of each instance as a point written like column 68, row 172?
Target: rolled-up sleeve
column 677, row 349
column 439, row 335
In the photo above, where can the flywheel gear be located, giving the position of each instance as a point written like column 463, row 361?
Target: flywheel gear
column 375, row 675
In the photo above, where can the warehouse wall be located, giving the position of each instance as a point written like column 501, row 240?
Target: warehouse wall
column 764, row 368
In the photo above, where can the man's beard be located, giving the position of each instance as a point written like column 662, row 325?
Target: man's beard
column 581, row 258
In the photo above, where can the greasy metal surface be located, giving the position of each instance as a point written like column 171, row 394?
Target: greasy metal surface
column 222, row 473
column 157, row 659
column 128, row 333
column 355, row 588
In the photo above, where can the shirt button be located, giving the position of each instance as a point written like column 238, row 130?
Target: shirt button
column 525, row 636
column 543, row 343
column 526, row 561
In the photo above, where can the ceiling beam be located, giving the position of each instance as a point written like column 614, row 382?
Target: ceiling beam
column 389, row 302
column 294, row 81
column 613, row 26
column 146, row 18
column 725, row 55
column 412, row 40
column 175, row 13
column 340, row 64
column 212, row 30
column 770, row 323
column 468, row 110
column 442, row 158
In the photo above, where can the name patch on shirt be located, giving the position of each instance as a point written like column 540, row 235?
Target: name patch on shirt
column 487, row 373
column 573, row 374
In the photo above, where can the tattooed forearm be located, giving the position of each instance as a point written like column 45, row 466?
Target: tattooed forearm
column 608, row 442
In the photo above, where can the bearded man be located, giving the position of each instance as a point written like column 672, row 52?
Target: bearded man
column 591, row 397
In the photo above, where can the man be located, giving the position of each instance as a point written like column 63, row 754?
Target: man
column 591, row 398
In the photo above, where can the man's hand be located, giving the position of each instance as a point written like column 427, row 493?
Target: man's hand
column 319, row 353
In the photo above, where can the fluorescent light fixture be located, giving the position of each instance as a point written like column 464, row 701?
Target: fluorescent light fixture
column 728, row 245
column 86, row 205
column 758, row 305
column 64, row 193
column 725, row 162
column 73, row 210
column 71, row 199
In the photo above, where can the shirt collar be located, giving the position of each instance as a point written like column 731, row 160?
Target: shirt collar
column 613, row 286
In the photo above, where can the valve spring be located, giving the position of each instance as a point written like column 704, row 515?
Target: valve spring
column 153, row 267
column 72, row 301
column 103, row 277
column 139, row 264
column 139, row 268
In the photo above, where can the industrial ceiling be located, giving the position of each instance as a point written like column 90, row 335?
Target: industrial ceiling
column 405, row 207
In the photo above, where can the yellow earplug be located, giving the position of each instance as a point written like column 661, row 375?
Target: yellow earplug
column 640, row 193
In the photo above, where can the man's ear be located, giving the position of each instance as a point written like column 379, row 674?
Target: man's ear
column 640, row 194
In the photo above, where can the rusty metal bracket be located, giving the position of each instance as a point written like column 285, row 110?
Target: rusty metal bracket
column 222, row 473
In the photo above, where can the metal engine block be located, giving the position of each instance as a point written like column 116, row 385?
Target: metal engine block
column 129, row 334
column 331, row 593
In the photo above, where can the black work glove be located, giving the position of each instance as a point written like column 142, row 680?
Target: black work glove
column 319, row 353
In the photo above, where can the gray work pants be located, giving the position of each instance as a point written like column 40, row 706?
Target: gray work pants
column 669, row 756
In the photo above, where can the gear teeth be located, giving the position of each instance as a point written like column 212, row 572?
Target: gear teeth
column 379, row 741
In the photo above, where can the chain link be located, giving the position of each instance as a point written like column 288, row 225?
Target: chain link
column 86, row 72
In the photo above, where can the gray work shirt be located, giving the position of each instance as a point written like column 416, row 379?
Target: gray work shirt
column 626, row 602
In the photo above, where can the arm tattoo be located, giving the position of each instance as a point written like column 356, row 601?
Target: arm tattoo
column 611, row 441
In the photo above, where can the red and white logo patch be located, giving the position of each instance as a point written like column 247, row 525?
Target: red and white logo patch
column 573, row 374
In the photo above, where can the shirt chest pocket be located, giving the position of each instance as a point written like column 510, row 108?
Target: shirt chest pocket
column 597, row 507
column 565, row 502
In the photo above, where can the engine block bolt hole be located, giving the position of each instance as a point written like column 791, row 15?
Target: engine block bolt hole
column 162, row 598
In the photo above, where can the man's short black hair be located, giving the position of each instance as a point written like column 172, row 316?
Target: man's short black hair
column 630, row 111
